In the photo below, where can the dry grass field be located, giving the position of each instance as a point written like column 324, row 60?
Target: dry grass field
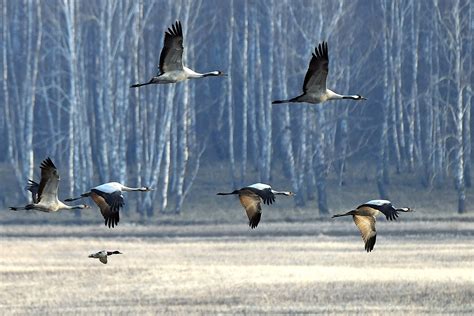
column 417, row 267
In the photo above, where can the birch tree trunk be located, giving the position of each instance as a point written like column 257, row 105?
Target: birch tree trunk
column 30, row 82
column 459, row 110
column 382, row 165
column 183, row 127
column 321, row 164
column 244, row 110
column 229, row 91
column 469, row 108
column 413, row 104
column 137, row 126
column 69, row 12
column 285, row 127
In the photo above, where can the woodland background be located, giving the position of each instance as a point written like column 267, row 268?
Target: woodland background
column 66, row 67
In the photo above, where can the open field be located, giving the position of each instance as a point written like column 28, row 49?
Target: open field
column 320, row 267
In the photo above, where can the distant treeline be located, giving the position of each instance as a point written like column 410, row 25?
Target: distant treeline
column 67, row 66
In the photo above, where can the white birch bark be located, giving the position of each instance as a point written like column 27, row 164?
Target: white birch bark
column 382, row 165
column 458, row 109
column 412, row 106
column 229, row 91
column 244, row 110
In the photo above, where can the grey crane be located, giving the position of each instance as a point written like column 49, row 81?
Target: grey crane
column 314, row 86
column 171, row 65
column 251, row 197
column 45, row 194
column 364, row 218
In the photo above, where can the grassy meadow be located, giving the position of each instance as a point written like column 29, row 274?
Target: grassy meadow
column 315, row 267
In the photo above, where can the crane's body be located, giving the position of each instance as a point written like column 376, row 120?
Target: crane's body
column 108, row 197
column 45, row 194
column 251, row 197
column 171, row 67
column 364, row 217
column 314, row 86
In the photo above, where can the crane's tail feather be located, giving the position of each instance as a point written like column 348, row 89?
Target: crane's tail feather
column 73, row 199
column 83, row 195
column 22, row 208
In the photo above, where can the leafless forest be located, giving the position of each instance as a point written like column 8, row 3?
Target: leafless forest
column 66, row 67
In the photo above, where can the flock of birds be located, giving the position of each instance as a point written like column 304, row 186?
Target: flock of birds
column 109, row 198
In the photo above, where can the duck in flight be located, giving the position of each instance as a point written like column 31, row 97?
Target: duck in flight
column 172, row 69
column 251, row 197
column 314, row 86
column 102, row 255
column 45, row 194
column 364, row 218
column 109, row 199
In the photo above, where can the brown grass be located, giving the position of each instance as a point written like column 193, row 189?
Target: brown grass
column 277, row 268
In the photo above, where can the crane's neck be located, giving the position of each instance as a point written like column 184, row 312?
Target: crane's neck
column 336, row 96
column 211, row 74
column 333, row 95
column 191, row 74
column 129, row 189
column 229, row 193
column 287, row 193
column 71, row 207
column 404, row 209
column 345, row 214
column 352, row 97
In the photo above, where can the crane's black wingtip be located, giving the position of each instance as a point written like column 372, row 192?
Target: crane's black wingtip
column 179, row 27
column 112, row 220
column 321, row 50
column 176, row 29
column 369, row 245
column 47, row 163
column 253, row 222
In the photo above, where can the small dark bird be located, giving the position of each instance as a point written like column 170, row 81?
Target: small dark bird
column 102, row 255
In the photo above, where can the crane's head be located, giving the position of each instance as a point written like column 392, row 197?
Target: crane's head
column 359, row 97
column 405, row 209
column 146, row 189
column 80, row 207
column 218, row 73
